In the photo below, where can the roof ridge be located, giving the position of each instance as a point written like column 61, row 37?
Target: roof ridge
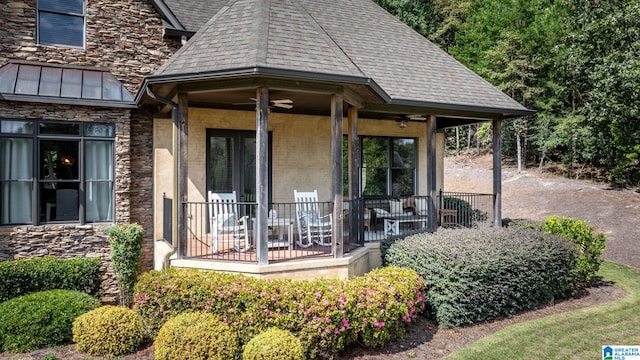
column 261, row 30
column 328, row 39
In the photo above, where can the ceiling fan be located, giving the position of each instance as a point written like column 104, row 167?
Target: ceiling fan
column 279, row 103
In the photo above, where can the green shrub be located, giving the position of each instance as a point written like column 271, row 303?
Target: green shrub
column 41, row 319
column 196, row 336
column 588, row 244
column 524, row 224
column 108, row 330
column 21, row 277
column 126, row 245
column 274, row 344
column 323, row 314
column 480, row 275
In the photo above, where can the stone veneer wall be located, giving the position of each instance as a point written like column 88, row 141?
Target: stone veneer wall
column 126, row 38
column 123, row 36
column 64, row 242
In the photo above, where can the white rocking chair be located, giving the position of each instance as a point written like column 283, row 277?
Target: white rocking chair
column 226, row 224
column 312, row 228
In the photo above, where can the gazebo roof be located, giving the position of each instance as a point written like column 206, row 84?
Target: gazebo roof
column 352, row 42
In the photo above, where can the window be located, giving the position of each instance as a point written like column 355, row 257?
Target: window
column 56, row 172
column 61, row 22
column 388, row 166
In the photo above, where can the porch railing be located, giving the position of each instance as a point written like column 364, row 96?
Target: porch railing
column 235, row 238
column 471, row 210
column 364, row 220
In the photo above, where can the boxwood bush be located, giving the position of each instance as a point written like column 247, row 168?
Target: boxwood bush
column 108, row 331
column 325, row 314
column 41, row 319
column 480, row 275
column 196, row 336
column 274, row 344
column 21, row 277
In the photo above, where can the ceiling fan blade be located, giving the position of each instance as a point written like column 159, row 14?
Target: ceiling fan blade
column 283, row 106
column 282, row 101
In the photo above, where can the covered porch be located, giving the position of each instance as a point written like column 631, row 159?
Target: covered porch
column 322, row 100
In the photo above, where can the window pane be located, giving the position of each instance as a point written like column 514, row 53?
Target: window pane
column 403, row 153
column 92, row 85
column 98, row 160
column 375, row 152
column 402, row 182
column 52, row 128
column 60, row 203
column 374, row 181
column 59, row 160
column 16, row 159
column 221, row 173
column 249, row 169
column 16, row 127
column 68, row 6
column 16, row 163
column 99, row 202
column 57, row 29
column 15, row 207
column 99, row 130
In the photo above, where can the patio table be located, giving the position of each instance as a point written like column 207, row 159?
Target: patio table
column 392, row 224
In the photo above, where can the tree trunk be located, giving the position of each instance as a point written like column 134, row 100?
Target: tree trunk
column 519, row 151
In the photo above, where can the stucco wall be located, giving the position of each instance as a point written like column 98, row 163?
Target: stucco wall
column 301, row 152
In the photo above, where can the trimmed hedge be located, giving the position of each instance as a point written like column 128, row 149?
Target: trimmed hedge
column 21, row 277
column 274, row 344
column 108, row 330
column 41, row 319
column 326, row 315
column 481, row 275
column 196, row 336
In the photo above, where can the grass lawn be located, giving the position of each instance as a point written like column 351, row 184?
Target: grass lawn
column 577, row 334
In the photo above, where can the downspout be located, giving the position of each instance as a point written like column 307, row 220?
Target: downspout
column 174, row 229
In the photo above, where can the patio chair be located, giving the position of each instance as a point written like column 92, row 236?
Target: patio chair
column 312, row 227
column 226, row 223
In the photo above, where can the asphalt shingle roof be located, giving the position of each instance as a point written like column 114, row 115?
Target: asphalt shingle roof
column 354, row 38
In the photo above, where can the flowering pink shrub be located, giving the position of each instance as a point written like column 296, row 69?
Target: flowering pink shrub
column 326, row 315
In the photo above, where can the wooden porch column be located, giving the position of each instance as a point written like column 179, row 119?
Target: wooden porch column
column 262, row 175
column 354, row 154
column 183, row 174
column 497, row 172
column 432, row 172
column 336, row 175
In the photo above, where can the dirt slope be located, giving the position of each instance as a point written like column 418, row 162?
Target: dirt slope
column 534, row 195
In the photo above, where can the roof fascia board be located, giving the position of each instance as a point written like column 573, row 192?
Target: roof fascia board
column 167, row 14
column 459, row 107
column 466, row 111
column 68, row 101
column 178, row 33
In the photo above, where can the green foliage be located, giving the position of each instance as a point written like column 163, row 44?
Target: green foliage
column 480, row 275
column 274, row 344
column 108, row 330
column 41, row 319
column 588, row 244
column 21, row 277
column 126, row 245
column 196, row 336
column 325, row 314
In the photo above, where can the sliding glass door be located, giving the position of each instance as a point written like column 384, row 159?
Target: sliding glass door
column 231, row 163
